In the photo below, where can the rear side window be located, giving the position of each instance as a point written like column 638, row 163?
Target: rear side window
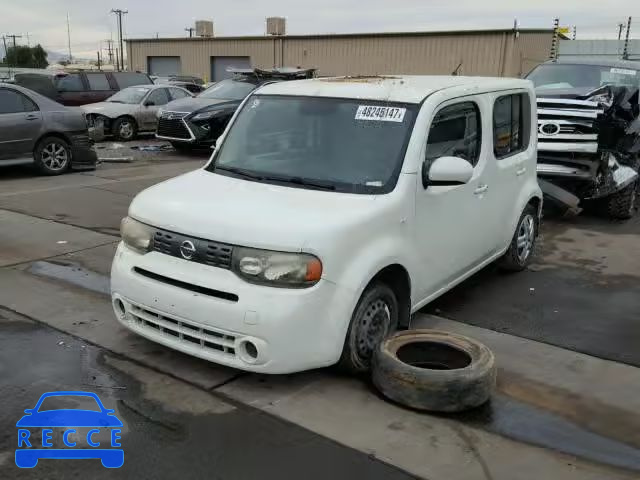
column 98, row 82
column 70, row 83
column 456, row 132
column 15, row 102
column 158, row 97
column 511, row 127
column 129, row 79
column 177, row 93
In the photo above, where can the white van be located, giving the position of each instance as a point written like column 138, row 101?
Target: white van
column 330, row 211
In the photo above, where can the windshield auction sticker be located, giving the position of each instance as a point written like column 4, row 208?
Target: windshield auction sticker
column 623, row 71
column 380, row 114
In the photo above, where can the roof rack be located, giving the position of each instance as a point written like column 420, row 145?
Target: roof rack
column 288, row 73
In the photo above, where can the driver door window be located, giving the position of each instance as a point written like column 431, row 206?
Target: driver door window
column 455, row 132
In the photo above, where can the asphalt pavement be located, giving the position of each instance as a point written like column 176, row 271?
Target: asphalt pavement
column 171, row 430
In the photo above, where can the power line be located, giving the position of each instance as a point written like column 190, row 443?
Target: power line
column 119, row 14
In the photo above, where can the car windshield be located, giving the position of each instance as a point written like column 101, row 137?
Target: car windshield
column 561, row 76
column 334, row 144
column 129, row 95
column 69, row 402
column 229, row 90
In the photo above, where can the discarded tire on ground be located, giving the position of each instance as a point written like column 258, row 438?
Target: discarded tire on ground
column 433, row 370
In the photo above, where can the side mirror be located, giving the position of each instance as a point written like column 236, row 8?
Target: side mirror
column 149, row 103
column 446, row 171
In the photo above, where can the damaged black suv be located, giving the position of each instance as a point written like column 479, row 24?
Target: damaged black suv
column 199, row 121
column 589, row 134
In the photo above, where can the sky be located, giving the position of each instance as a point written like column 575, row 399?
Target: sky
column 44, row 21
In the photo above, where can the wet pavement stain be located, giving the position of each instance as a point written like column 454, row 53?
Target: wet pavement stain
column 72, row 273
column 160, row 440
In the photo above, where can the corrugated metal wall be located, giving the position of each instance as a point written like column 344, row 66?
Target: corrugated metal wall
column 598, row 49
column 486, row 53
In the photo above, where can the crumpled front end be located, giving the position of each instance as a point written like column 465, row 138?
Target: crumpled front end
column 588, row 146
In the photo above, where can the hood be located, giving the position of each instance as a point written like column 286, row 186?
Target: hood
column 241, row 212
column 110, row 109
column 195, row 104
column 569, row 93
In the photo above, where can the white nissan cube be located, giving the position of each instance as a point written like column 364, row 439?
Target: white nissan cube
column 330, row 211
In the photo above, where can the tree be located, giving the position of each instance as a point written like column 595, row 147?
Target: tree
column 27, row 57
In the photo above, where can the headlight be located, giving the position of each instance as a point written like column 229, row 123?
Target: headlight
column 205, row 115
column 277, row 269
column 136, row 235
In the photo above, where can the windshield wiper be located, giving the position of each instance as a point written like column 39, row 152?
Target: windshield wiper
column 303, row 182
column 239, row 171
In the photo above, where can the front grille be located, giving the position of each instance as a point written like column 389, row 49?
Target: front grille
column 207, row 252
column 183, row 332
column 574, row 121
column 170, row 124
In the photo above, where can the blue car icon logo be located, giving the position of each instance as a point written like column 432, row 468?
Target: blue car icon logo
column 72, row 426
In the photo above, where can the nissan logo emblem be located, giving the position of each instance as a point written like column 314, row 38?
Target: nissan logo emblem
column 187, row 250
column 549, row 128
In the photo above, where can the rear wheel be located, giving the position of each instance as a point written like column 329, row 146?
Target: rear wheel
column 124, row 129
column 520, row 252
column 374, row 319
column 52, row 156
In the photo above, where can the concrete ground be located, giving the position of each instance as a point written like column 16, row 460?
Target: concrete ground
column 563, row 333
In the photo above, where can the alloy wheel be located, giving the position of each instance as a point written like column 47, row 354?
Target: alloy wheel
column 525, row 238
column 55, row 156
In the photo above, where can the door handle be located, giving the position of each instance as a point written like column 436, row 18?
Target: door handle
column 481, row 189
column 31, row 117
column 522, row 171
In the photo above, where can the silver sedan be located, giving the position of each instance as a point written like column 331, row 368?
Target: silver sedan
column 131, row 110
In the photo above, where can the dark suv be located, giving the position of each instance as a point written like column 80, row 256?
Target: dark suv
column 81, row 88
column 199, row 121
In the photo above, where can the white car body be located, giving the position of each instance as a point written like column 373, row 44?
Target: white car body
column 438, row 235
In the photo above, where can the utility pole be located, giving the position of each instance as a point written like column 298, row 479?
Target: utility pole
column 99, row 60
column 69, row 39
column 553, row 54
column 119, row 14
column 6, row 56
column 28, row 39
column 117, row 60
column 190, row 30
column 14, row 39
column 110, row 50
column 625, row 50
column 620, row 28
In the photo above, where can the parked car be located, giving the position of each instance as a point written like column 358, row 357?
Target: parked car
column 198, row 122
column 589, row 134
column 36, row 130
column 330, row 211
column 80, row 88
column 193, row 84
column 132, row 110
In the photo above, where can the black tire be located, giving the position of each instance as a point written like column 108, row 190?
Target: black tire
column 52, row 156
column 124, row 129
column 434, row 371
column 622, row 205
column 374, row 318
column 519, row 255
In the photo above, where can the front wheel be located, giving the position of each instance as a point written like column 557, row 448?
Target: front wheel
column 520, row 252
column 374, row 319
column 52, row 156
column 124, row 129
column 622, row 205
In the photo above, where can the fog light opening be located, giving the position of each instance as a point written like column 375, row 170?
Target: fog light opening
column 120, row 308
column 250, row 350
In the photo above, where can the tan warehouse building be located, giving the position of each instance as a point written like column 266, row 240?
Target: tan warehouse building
column 485, row 52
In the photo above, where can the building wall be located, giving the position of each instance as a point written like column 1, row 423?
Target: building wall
column 493, row 53
column 598, row 49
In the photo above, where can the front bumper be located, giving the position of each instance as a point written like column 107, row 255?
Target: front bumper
column 83, row 155
column 291, row 329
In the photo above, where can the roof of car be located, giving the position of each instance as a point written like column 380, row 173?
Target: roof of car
column 600, row 63
column 404, row 88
